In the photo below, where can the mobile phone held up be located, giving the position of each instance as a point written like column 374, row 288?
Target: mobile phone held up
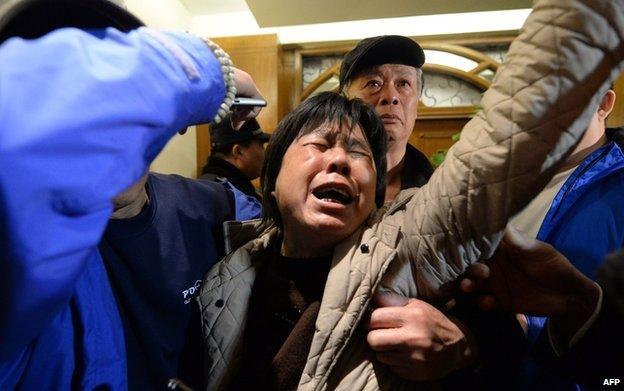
column 240, row 101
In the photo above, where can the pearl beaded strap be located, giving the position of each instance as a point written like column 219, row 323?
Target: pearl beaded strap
column 227, row 69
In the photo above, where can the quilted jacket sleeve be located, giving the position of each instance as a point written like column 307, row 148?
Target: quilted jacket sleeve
column 538, row 106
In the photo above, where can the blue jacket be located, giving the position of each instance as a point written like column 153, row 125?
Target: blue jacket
column 82, row 114
column 586, row 219
column 156, row 261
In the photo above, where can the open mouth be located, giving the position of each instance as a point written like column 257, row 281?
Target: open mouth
column 335, row 194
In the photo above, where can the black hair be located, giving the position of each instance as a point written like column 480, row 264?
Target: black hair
column 326, row 107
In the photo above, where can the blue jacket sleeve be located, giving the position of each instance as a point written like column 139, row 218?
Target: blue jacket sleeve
column 245, row 207
column 82, row 114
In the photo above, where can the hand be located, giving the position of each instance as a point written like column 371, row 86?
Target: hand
column 528, row 276
column 246, row 87
column 417, row 341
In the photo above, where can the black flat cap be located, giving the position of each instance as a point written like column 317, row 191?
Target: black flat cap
column 223, row 134
column 383, row 49
column 35, row 18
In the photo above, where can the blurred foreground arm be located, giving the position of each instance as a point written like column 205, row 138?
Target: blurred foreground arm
column 82, row 115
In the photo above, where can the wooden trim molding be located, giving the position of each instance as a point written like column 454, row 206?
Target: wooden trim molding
column 334, row 70
column 426, row 113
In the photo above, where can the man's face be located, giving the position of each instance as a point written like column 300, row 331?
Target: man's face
column 252, row 158
column 326, row 185
column 393, row 89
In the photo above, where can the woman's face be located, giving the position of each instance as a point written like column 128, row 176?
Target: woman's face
column 326, row 185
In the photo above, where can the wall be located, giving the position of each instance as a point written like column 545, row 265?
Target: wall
column 180, row 155
column 163, row 14
column 617, row 115
column 260, row 56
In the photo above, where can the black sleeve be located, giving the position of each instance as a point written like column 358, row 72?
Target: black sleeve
column 501, row 346
column 599, row 354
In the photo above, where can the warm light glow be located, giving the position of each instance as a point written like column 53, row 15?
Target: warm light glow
column 243, row 23
column 450, row 60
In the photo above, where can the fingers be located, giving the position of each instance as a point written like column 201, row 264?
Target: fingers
column 519, row 240
column 389, row 299
column 245, row 85
column 236, row 119
column 525, row 248
column 479, row 271
column 241, row 114
column 389, row 315
column 475, row 278
column 467, row 285
column 485, row 301
column 381, row 340
column 385, row 318
column 524, row 323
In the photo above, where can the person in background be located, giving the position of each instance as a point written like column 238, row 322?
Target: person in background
column 581, row 213
column 386, row 72
column 166, row 231
column 64, row 156
column 236, row 156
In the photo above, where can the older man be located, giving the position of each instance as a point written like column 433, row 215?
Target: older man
column 385, row 72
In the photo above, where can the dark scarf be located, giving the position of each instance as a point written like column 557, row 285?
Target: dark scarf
column 416, row 168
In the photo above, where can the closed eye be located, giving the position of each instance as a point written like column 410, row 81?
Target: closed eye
column 318, row 145
column 359, row 153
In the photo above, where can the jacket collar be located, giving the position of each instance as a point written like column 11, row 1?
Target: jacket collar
column 601, row 164
column 416, row 168
column 223, row 168
column 616, row 135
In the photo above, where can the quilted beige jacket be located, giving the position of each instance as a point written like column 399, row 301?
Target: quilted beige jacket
column 539, row 103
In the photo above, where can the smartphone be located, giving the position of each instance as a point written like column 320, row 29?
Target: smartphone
column 247, row 102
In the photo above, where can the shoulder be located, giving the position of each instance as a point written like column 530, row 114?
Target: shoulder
column 213, row 177
column 414, row 156
column 241, row 259
column 193, row 196
column 616, row 135
column 416, row 168
column 176, row 184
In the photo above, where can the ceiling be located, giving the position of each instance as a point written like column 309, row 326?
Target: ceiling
column 273, row 13
column 204, row 7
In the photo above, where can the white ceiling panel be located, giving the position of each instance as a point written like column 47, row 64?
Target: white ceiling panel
column 273, row 13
